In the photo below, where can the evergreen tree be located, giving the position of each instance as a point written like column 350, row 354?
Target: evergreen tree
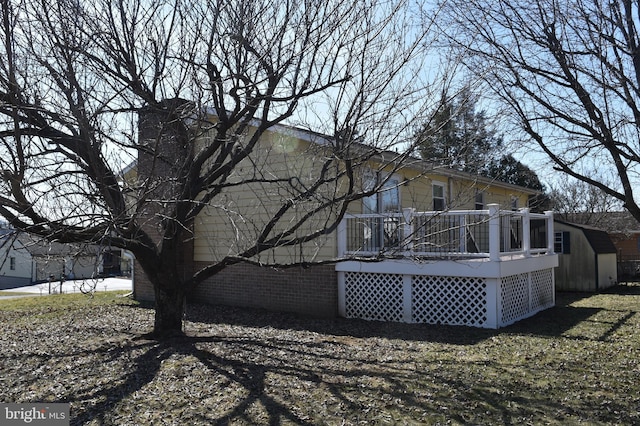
column 508, row 169
column 457, row 135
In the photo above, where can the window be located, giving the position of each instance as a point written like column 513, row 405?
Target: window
column 514, row 203
column 438, row 197
column 557, row 242
column 479, row 200
column 381, row 232
column 12, row 263
column 385, row 201
column 562, row 242
column 390, row 196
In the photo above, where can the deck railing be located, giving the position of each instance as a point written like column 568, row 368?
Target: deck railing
column 490, row 233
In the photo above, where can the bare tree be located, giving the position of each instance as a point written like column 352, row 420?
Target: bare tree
column 207, row 81
column 579, row 202
column 568, row 72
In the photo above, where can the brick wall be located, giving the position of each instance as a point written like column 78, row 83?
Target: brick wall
column 627, row 245
column 312, row 291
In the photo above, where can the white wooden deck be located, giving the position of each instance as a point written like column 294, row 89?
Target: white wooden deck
column 484, row 268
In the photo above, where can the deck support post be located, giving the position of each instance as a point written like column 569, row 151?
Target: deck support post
column 526, row 231
column 341, row 237
column 550, row 232
column 342, row 294
column 494, row 232
column 407, row 297
column 493, row 304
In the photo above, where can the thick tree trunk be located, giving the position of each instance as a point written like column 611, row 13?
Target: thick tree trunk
column 170, row 305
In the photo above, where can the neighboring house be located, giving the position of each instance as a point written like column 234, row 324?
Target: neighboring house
column 70, row 261
column 627, row 244
column 624, row 230
column 25, row 259
column 480, row 260
column 587, row 258
column 16, row 263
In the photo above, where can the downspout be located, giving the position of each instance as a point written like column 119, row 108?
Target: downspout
column 34, row 268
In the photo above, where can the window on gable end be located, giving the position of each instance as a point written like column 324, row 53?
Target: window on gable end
column 562, row 242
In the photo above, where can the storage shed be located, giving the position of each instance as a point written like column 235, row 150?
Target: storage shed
column 587, row 258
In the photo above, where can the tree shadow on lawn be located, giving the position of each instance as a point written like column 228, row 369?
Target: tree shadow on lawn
column 258, row 381
column 551, row 322
column 277, row 373
column 345, row 327
column 112, row 404
column 243, row 367
column 600, row 320
column 94, row 403
column 275, row 381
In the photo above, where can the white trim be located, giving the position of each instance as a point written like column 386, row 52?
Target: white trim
column 472, row 268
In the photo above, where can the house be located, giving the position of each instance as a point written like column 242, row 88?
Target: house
column 587, row 258
column 27, row 259
column 71, row 261
column 16, row 262
column 624, row 231
column 467, row 244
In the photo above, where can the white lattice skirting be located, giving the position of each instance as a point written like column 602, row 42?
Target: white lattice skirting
column 454, row 300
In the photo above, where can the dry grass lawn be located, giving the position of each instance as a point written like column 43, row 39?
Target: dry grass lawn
column 576, row 363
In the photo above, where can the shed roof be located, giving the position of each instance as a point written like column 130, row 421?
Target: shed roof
column 598, row 239
column 619, row 222
column 39, row 247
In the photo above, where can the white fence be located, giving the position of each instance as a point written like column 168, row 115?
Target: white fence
column 451, row 234
column 486, row 268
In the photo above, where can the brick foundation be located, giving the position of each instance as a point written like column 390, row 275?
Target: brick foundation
column 312, row 291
